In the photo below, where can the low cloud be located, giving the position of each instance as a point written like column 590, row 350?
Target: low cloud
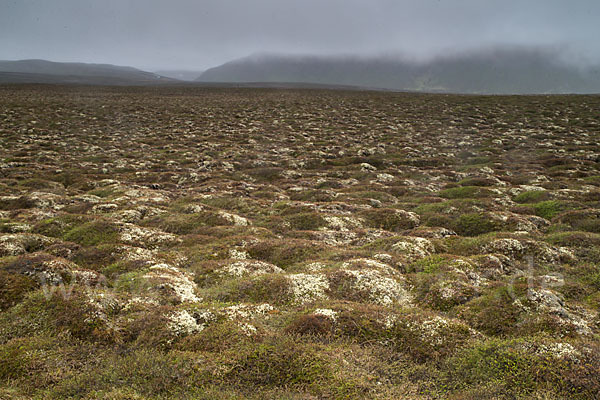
column 198, row 34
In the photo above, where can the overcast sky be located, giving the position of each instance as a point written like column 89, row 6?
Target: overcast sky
column 198, row 34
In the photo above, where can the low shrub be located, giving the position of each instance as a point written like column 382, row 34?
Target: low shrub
column 474, row 224
column 285, row 253
column 306, row 221
column 311, row 324
column 532, row 196
column 548, row 209
column 315, row 195
column 522, row 372
column 13, row 288
column 280, row 362
column 93, row 233
column 389, row 219
column 265, row 288
column 464, row 192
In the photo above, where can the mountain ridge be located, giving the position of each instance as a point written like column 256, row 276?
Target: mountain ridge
column 492, row 71
column 44, row 71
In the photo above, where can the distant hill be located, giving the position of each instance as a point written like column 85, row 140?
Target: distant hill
column 42, row 71
column 501, row 71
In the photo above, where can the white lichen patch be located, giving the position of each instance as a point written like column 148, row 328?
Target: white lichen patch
column 438, row 331
column 145, row 237
column 388, row 321
column 556, row 350
column 435, row 232
column 385, row 178
column 367, row 167
column 429, row 330
column 172, row 278
column 11, row 245
column 410, row 216
column 380, row 288
column 467, row 272
column 545, row 253
column 238, row 254
column 58, row 271
column 183, row 323
column 341, row 223
column 414, row 247
column 561, row 351
column 138, row 301
column 509, row 247
column 250, row 267
column 85, row 277
column 104, row 208
column 128, row 216
column 145, row 195
column 102, row 304
column 235, row 219
column 248, row 329
column 193, row 208
column 18, row 243
column 88, row 198
column 306, row 288
column 326, row 312
column 372, row 264
column 447, row 290
column 547, row 301
column 247, row 311
column 47, row 200
column 384, row 258
column 132, row 253
column 315, row 266
column 336, row 238
column 565, row 254
column 16, row 227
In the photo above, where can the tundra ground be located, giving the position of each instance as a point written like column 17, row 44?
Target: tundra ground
column 170, row 243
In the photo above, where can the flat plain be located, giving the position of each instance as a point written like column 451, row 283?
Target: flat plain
column 180, row 242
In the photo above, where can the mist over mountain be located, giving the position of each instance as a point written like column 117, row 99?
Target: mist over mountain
column 489, row 71
column 499, row 70
column 42, row 71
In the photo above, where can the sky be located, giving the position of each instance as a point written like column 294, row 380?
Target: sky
column 199, row 34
